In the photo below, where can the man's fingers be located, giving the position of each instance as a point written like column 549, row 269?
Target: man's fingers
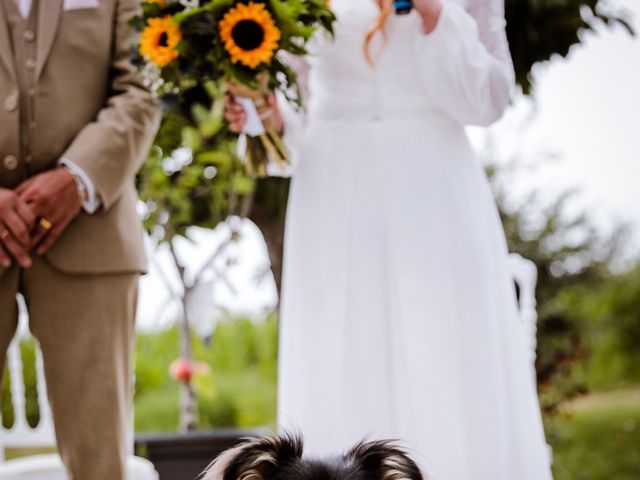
column 26, row 214
column 58, row 226
column 18, row 228
column 39, row 234
column 24, row 186
column 5, row 260
column 31, row 194
column 48, row 219
column 17, row 251
column 49, row 240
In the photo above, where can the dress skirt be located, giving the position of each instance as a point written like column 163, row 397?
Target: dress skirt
column 399, row 314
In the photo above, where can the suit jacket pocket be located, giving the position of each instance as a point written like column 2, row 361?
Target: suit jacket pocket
column 70, row 5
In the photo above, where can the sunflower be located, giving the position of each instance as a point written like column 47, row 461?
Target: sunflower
column 249, row 34
column 159, row 41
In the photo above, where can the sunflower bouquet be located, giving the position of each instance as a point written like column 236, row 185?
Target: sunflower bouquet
column 194, row 52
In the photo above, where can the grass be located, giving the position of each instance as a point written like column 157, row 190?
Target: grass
column 12, row 453
column 598, row 437
column 238, row 389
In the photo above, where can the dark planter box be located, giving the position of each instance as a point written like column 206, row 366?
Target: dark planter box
column 183, row 456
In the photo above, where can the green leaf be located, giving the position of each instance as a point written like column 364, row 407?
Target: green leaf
column 287, row 13
column 241, row 184
column 214, row 157
column 191, row 138
column 217, row 7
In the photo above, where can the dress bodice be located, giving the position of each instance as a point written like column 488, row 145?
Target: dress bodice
column 409, row 68
column 344, row 82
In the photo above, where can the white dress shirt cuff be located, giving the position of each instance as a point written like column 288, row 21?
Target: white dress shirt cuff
column 92, row 203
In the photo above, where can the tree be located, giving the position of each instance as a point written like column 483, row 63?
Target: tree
column 193, row 186
column 538, row 30
column 609, row 316
column 572, row 259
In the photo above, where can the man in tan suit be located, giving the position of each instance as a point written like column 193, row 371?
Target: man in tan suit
column 75, row 125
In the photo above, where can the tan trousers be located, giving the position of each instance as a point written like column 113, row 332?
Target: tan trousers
column 85, row 326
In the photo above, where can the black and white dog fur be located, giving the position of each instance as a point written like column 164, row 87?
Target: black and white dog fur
column 280, row 458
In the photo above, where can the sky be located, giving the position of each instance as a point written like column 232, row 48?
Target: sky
column 585, row 117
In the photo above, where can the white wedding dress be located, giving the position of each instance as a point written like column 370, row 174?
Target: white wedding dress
column 399, row 317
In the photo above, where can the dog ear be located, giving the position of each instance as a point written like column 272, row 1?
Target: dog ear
column 255, row 459
column 384, row 460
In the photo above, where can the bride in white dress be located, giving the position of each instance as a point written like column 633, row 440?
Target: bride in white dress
column 399, row 317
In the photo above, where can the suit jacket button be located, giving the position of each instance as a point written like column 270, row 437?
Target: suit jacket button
column 29, row 36
column 10, row 162
column 11, row 103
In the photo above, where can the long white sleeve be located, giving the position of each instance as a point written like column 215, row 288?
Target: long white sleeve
column 466, row 60
column 92, row 203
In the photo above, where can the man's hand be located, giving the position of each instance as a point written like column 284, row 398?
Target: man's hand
column 53, row 197
column 17, row 221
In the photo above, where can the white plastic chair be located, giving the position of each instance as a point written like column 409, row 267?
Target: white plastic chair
column 21, row 435
column 525, row 274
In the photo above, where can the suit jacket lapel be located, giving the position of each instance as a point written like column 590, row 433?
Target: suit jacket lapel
column 49, row 15
column 6, row 53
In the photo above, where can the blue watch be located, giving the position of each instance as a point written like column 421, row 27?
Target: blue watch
column 402, row 7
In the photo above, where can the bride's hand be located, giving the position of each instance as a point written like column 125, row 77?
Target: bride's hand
column 234, row 114
column 430, row 11
column 268, row 111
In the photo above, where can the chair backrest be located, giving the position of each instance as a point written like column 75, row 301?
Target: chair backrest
column 525, row 275
column 21, row 434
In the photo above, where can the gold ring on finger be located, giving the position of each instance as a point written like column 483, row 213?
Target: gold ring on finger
column 4, row 234
column 46, row 224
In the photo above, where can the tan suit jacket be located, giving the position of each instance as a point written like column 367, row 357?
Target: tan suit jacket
column 91, row 107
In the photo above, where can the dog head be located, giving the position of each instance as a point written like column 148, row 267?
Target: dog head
column 280, row 458
column 380, row 460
